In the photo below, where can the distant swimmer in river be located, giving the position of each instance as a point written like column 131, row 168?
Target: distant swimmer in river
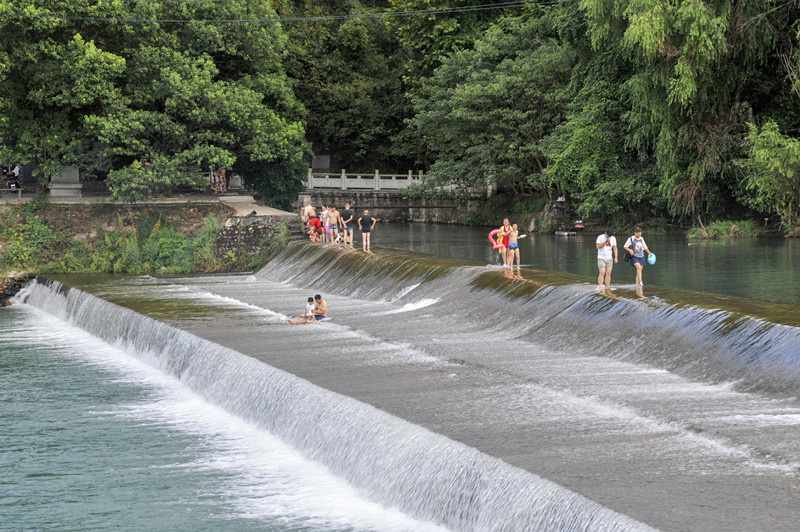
column 513, row 245
column 320, row 309
column 308, row 315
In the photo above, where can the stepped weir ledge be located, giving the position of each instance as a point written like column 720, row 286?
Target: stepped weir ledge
column 458, row 396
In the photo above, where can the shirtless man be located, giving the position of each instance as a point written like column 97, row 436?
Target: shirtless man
column 513, row 246
column 333, row 223
column 309, row 212
column 320, row 307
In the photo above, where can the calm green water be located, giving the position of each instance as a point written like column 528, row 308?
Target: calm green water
column 766, row 268
column 93, row 439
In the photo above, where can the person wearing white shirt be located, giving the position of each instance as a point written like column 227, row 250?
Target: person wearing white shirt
column 637, row 247
column 606, row 245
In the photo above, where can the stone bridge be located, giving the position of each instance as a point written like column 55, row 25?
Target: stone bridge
column 385, row 196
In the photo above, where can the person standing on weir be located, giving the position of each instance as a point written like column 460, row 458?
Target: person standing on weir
column 366, row 224
column 605, row 244
column 333, row 223
column 637, row 247
column 513, row 246
column 502, row 239
column 347, row 216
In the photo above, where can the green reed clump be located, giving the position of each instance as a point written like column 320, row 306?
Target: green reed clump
column 726, row 229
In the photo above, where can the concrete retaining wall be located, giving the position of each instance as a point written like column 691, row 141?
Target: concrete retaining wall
column 247, row 234
column 394, row 206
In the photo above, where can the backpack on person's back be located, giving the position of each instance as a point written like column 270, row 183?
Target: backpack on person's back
column 628, row 243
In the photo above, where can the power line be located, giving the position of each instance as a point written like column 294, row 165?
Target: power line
column 390, row 14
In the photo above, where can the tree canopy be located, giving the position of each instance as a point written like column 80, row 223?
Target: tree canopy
column 148, row 104
column 628, row 108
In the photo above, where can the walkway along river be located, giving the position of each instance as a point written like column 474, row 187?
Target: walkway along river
column 544, row 406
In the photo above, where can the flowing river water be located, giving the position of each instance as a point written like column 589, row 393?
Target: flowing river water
column 439, row 395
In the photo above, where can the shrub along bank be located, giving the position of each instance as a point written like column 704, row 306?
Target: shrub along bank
column 41, row 237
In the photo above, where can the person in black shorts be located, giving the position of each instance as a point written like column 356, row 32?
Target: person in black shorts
column 366, row 224
column 346, row 217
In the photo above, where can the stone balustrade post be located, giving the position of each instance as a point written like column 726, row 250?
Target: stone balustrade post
column 377, row 180
column 310, row 179
column 344, row 180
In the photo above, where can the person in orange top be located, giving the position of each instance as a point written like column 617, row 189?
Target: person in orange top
column 502, row 239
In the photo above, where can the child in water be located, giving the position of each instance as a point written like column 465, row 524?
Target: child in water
column 308, row 315
column 513, row 245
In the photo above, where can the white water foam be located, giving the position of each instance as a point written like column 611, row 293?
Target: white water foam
column 410, row 306
column 404, row 291
column 264, row 478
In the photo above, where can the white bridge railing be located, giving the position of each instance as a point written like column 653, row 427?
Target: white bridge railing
column 356, row 181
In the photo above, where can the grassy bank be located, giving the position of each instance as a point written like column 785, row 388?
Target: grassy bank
column 41, row 237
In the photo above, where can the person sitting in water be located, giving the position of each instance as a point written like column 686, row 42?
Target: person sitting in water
column 320, row 309
column 308, row 315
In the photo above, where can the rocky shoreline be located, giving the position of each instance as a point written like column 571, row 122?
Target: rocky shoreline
column 10, row 287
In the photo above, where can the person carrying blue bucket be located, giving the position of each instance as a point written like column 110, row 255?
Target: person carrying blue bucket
column 637, row 247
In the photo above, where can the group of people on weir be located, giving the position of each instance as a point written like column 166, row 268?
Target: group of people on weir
column 635, row 248
column 507, row 239
column 337, row 227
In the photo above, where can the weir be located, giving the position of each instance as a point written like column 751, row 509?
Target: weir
column 394, row 462
column 677, row 415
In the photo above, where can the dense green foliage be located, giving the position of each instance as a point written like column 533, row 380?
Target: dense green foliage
column 486, row 110
column 149, row 105
column 345, row 75
column 630, row 109
column 39, row 236
column 773, row 174
column 654, row 108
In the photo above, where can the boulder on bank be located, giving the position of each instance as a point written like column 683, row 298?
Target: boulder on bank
column 10, row 287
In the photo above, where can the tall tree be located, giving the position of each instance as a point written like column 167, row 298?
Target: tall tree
column 702, row 69
column 149, row 104
column 486, row 111
column 346, row 74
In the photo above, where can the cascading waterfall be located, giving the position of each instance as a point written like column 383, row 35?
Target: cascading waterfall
column 706, row 344
column 392, row 461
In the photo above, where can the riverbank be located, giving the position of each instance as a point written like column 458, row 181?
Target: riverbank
column 546, row 216
column 164, row 236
